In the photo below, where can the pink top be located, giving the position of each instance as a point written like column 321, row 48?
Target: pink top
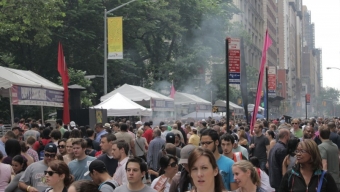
column 5, row 176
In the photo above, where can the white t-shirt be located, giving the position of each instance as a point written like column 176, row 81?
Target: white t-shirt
column 265, row 181
column 167, row 185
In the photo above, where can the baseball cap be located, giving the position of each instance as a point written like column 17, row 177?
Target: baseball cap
column 72, row 124
column 185, row 153
column 107, row 125
column 139, row 123
column 51, row 147
column 170, row 138
column 97, row 165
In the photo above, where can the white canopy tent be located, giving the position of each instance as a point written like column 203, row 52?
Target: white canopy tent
column 186, row 99
column 144, row 97
column 238, row 110
column 28, row 88
column 119, row 105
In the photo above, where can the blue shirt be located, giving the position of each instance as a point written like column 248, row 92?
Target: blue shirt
column 154, row 147
column 225, row 165
column 103, row 132
column 2, row 148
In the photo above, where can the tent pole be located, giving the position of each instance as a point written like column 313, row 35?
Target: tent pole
column 42, row 115
column 11, row 105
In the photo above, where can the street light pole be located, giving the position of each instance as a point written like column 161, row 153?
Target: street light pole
column 105, row 40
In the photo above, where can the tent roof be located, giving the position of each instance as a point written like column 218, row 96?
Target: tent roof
column 136, row 93
column 119, row 105
column 10, row 77
column 185, row 99
column 222, row 103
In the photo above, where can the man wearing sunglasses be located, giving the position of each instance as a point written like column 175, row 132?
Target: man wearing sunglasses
column 33, row 178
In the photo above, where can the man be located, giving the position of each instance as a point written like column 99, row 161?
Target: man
column 100, row 176
column 80, row 165
column 32, row 179
column 170, row 138
column 120, row 151
column 164, row 129
column 147, row 132
column 329, row 154
column 16, row 131
column 33, row 132
column 60, row 127
column 194, row 138
column 202, row 127
column 334, row 137
column 135, row 171
column 238, row 148
column 73, row 125
column 106, row 143
column 276, row 156
column 90, row 135
column 4, row 139
column 124, row 135
column 227, row 143
column 210, row 140
column 154, row 147
column 100, row 131
column 61, row 146
column 181, row 182
column 308, row 133
column 259, row 146
column 139, row 125
column 176, row 131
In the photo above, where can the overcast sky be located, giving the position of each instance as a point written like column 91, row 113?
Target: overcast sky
column 326, row 17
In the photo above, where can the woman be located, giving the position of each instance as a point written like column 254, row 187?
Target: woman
column 169, row 167
column 12, row 148
column 69, row 150
column 5, row 173
column 246, row 177
column 271, row 137
column 307, row 173
column 290, row 160
column 24, row 149
column 243, row 141
column 264, row 178
column 19, row 165
column 140, row 145
column 296, row 129
column 58, row 176
column 204, row 171
column 188, row 131
column 178, row 142
column 83, row 186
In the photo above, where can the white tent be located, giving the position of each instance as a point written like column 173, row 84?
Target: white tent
column 222, row 103
column 186, row 99
column 119, row 105
column 201, row 115
column 28, row 88
column 144, row 97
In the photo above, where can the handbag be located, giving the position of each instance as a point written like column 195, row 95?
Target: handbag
column 321, row 181
column 141, row 148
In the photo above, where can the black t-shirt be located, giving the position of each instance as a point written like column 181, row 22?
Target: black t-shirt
column 260, row 150
column 110, row 163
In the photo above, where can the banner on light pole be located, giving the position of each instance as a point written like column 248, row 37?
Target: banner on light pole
column 115, row 37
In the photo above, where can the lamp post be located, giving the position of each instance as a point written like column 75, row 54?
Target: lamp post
column 105, row 41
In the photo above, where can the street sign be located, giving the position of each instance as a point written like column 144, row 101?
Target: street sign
column 234, row 61
column 272, row 81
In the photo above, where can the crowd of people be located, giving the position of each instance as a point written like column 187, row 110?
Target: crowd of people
column 174, row 156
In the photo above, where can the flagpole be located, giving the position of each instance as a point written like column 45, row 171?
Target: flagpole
column 227, row 80
column 267, row 107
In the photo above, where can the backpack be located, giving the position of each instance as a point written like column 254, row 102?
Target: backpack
column 110, row 184
column 41, row 150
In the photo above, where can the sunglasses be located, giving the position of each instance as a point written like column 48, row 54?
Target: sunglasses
column 61, row 146
column 50, row 173
column 173, row 164
column 50, row 155
column 206, row 143
column 294, row 123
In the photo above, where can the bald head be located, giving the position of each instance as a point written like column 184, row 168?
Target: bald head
column 284, row 133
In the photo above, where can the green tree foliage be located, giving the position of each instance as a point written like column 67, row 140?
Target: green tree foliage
column 330, row 97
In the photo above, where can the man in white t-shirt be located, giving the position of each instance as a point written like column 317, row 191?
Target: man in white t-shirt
column 120, row 151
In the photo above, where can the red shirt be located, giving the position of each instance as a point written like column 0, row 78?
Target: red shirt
column 148, row 135
column 36, row 144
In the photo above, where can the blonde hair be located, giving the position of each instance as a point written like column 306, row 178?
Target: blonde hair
column 140, row 133
column 70, row 140
column 246, row 165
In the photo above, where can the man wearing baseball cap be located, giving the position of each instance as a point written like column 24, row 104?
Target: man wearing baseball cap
column 100, row 176
column 32, row 179
column 182, row 180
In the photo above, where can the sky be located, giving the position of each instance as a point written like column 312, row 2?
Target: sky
column 326, row 17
